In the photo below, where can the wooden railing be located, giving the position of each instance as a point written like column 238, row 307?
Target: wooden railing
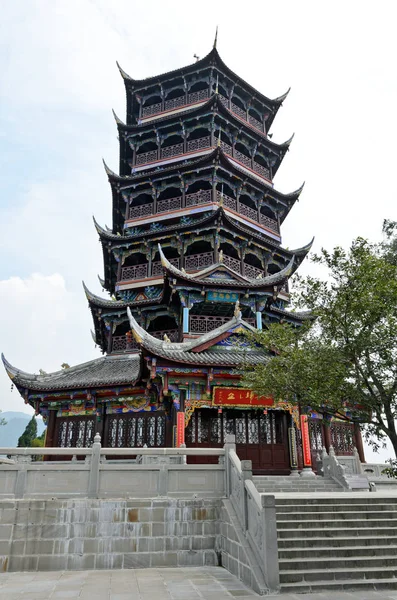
column 203, row 323
column 125, row 343
column 186, row 99
column 179, row 102
column 157, row 267
column 193, row 262
column 197, row 145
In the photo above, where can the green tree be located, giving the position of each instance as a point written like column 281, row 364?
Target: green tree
column 348, row 357
column 2, row 421
column 30, row 433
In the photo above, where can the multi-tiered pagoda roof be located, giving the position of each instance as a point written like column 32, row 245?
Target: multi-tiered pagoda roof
column 193, row 259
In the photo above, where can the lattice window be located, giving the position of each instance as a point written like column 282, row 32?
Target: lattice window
column 141, row 211
column 200, row 197
column 76, row 432
column 169, row 204
column 252, row 272
column 134, row 272
column 199, row 261
column 233, row 263
column 197, row 96
column 239, row 111
column 255, row 123
column 175, row 103
column 146, row 157
column 245, row 160
column 249, row 212
column 199, row 144
column 342, row 438
column 270, row 223
column 153, row 109
column 227, row 149
column 261, row 170
column 316, row 435
column 170, row 151
column 226, row 200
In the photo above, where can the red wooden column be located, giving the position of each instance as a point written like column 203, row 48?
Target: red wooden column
column 358, row 442
column 49, row 439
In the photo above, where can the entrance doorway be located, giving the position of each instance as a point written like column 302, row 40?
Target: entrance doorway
column 260, row 437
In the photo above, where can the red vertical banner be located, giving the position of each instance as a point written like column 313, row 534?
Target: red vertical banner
column 307, row 454
column 180, row 428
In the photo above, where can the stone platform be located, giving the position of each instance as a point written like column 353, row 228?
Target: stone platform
column 208, row 583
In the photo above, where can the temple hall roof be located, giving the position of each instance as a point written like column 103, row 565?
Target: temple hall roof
column 108, row 370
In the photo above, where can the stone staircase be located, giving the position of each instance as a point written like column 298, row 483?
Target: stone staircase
column 273, row 484
column 339, row 543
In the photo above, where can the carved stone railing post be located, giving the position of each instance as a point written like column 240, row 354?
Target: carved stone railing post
column 246, row 474
column 93, row 482
column 230, row 444
column 270, row 546
column 23, row 462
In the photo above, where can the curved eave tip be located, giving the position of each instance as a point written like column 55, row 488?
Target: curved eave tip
column 305, row 249
column 288, row 142
column 11, row 371
column 101, row 281
column 124, row 75
column 281, row 99
column 116, row 118
column 93, row 337
column 86, row 290
column 99, row 229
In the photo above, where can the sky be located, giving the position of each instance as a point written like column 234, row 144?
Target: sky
column 60, row 81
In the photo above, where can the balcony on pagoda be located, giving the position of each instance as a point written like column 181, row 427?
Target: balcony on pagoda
column 199, row 255
column 150, row 155
column 205, row 317
column 178, row 205
column 157, row 108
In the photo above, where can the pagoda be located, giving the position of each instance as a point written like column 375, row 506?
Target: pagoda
column 192, row 261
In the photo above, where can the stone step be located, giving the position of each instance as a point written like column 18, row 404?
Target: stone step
column 343, row 573
column 337, row 507
column 333, row 563
column 331, row 532
column 340, row 515
column 337, row 541
column 338, row 585
column 346, row 523
column 343, row 552
column 347, row 497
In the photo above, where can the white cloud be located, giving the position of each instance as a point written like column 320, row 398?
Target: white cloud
column 43, row 324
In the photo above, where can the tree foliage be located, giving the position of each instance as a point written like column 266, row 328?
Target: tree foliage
column 348, row 356
column 30, row 434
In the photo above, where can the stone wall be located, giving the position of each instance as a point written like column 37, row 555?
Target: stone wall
column 42, row 535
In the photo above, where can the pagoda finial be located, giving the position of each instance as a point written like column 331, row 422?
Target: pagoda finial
column 216, row 37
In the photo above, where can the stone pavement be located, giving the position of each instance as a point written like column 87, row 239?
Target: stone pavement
column 208, row 583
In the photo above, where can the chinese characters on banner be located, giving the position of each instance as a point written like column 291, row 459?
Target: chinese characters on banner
column 307, row 455
column 224, row 396
column 180, row 428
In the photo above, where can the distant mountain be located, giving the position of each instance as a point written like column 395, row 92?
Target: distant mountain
column 16, row 423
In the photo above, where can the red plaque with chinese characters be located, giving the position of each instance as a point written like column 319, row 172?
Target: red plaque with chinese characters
column 225, row 396
column 307, row 454
column 180, row 428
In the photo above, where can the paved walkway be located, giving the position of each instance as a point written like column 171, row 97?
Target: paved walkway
column 210, row 583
